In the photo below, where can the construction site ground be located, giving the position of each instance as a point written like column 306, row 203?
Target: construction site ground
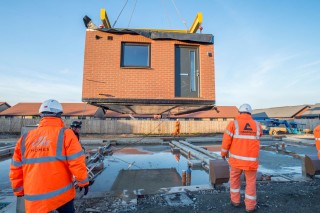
column 299, row 194
column 281, row 194
column 302, row 196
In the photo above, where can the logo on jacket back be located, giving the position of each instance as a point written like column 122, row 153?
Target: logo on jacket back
column 40, row 144
column 247, row 127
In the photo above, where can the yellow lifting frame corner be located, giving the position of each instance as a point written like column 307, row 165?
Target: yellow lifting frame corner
column 104, row 18
column 196, row 23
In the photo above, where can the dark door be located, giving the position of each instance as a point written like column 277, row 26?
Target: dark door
column 186, row 71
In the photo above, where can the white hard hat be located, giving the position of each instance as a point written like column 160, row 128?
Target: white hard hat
column 245, row 108
column 50, row 106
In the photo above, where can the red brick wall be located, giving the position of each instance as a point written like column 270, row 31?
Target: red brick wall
column 103, row 74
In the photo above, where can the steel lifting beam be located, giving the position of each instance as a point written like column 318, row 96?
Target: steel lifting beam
column 196, row 23
column 193, row 29
column 104, row 18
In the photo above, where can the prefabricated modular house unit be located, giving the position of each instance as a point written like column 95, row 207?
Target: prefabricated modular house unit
column 148, row 72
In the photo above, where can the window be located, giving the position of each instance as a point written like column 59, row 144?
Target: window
column 192, row 71
column 135, row 55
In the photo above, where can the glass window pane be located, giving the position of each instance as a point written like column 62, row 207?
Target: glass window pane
column 192, row 71
column 135, row 55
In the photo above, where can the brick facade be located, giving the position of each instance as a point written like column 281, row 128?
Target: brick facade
column 103, row 74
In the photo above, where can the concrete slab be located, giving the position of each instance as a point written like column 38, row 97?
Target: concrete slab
column 129, row 183
column 177, row 199
column 8, row 203
column 306, row 142
column 280, row 179
column 193, row 188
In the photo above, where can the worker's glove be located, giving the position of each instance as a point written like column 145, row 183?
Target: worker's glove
column 226, row 156
column 86, row 189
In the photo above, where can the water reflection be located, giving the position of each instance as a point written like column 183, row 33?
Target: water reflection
column 142, row 158
column 4, row 174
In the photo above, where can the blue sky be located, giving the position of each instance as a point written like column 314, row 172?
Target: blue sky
column 267, row 52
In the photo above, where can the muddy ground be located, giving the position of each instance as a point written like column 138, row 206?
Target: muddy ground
column 271, row 196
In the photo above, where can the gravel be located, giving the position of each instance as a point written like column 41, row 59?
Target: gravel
column 277, row 197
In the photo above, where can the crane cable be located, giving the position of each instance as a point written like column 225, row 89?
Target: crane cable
column 132, row 12
column 166, row 14
column 132, row 164
column 120, row 14
column 183, row 21
column 140, row 138
column 82, row 118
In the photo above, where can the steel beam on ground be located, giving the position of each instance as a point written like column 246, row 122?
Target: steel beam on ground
column 196, row 154
column 203, row 151
column 6, row 150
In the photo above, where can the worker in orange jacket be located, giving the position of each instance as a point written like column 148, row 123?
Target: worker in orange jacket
column 316, row 133
column 177, row 128
column 241, row 141
column 44, row 163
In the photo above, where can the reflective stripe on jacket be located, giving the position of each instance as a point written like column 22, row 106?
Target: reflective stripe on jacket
column 44, row 163
column 316, row 133
column 242, row 140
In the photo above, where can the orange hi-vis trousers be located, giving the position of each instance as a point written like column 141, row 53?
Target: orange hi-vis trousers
column 176, row 131
column 235, row 185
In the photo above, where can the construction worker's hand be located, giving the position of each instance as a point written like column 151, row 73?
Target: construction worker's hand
column 86, row 189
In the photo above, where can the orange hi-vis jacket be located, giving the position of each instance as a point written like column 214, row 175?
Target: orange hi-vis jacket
column 242, row 140
column 177, row 124
column 316, row 133
column 43, row 165
column 177, row 128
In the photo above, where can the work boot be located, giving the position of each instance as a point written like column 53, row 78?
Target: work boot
column 235, row 204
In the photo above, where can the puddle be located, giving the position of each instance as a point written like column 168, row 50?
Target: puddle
column 304, row 150
column 276, row 163
column 3, row 204
column 5, row 183
column 150, row 160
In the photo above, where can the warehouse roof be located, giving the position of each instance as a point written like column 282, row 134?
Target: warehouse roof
column 314, row 111
column 280, row 112
column 69, row 109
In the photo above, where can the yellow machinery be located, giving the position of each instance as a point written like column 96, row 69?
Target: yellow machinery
column 277, row 130
column 193, row 29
